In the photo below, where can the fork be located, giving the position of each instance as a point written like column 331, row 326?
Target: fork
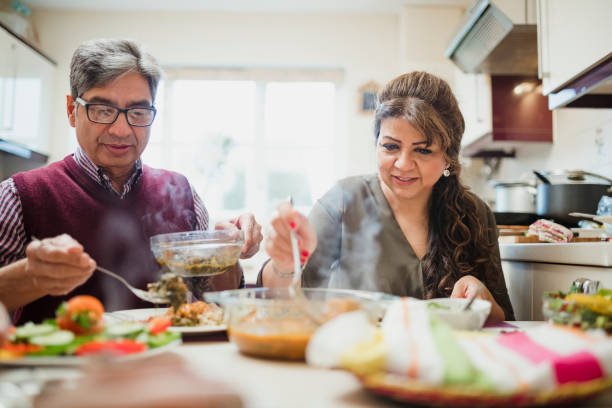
column 142, row 294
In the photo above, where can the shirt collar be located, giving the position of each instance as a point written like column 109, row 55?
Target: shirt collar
column 96, row 173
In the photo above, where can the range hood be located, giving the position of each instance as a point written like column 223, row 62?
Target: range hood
column 497, row 38
column 592, row 88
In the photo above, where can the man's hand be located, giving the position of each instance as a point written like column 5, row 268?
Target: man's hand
column 57, row 265
column 468, row 285
column 252, row 233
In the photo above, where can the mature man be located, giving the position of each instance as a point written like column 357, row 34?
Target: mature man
column 100, row 204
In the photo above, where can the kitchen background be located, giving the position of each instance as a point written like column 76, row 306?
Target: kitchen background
column 270, row 90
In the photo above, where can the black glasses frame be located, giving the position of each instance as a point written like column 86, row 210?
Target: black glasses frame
column 119, row 111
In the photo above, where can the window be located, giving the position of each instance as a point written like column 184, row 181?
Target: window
column 246, row 144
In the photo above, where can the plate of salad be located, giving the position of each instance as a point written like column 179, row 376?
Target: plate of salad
column 79, row 332
column 584, row 311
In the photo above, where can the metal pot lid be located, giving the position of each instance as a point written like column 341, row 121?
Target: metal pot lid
column 508, row 184
column 575, row 177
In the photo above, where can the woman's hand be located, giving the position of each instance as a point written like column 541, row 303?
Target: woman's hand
column 57, row 265
column 278, row 242
column 252, row 233
column 468, row 285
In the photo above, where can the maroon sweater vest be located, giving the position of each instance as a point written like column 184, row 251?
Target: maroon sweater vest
column 62, row 198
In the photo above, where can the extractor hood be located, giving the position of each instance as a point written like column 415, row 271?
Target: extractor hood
column 499, row 38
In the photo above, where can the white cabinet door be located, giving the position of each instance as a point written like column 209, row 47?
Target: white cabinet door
column 33, row 98
column 26, row 85
column 572, row 35
column 473, row 92
column 8, row 74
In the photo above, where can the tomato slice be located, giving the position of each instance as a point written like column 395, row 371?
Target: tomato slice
column 159, row 324
column 81, row 315
column 20, row 349
column 116, row 347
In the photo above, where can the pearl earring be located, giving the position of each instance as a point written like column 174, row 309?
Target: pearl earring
column 446, row 172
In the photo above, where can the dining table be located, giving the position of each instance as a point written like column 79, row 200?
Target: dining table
column 262, row 382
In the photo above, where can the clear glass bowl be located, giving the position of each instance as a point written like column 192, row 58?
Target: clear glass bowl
column 198, row 253
column 267, row 322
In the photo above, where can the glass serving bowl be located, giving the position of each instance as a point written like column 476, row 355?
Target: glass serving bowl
column 267, row 322
column 198, row 253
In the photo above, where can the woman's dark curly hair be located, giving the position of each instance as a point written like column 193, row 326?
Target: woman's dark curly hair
column 457, row 244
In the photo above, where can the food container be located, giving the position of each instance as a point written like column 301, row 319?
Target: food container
column 268, row 322
column 569, row 191
column 451, row 311
column 198, row 253
column 515, row 197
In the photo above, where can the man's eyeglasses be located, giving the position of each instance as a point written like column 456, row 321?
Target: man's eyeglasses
column 107, row 114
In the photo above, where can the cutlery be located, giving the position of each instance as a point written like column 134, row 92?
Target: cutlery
column 606, row 219
column 142, row 294
column 295, row 288
column 471, row 299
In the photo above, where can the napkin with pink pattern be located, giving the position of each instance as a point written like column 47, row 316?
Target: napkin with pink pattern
column 414, row 343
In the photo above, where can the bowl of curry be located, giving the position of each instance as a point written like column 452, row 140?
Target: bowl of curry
column 268, row 322
column 198, row 253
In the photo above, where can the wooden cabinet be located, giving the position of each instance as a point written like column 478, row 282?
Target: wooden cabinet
column 26, row 86
column 572, row 36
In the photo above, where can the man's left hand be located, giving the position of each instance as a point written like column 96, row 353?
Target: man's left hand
column 252, row 233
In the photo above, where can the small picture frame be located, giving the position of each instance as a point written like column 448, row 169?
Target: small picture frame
column 368, row 97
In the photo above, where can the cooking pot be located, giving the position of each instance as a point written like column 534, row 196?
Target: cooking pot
column 560, row 192
column 515, row 197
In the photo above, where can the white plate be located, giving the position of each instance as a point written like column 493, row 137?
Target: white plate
column 77, row 361
column 144, row 314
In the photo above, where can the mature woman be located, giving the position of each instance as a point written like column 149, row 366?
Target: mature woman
column 412, row 229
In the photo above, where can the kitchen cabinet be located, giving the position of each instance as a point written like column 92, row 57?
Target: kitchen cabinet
column 527, row 281
column 501, row 111
column 572, row 36
column 532, row 269
column 26, row 86
column 473, row 92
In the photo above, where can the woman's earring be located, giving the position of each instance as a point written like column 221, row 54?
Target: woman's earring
column 446, row 172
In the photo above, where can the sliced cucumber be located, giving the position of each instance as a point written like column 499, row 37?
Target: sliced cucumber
column 33, row 330
column 125, row 329
column 57, row 338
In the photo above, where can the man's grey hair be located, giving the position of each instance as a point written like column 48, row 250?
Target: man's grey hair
column 98, row 62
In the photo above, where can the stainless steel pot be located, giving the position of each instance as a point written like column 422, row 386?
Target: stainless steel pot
column 569, row 191
column 515, row 197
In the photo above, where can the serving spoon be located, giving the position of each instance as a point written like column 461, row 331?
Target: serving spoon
column 295, row 287
column 471, row 299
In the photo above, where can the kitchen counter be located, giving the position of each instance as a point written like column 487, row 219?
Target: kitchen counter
column 577, row 253
column 272, row 383
column 532, row 269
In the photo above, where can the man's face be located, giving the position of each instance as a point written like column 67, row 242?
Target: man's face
column 116, row 146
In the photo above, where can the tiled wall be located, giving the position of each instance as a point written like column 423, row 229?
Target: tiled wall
column 582, row 140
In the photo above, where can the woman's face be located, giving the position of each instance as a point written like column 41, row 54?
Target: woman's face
column 407, row 167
